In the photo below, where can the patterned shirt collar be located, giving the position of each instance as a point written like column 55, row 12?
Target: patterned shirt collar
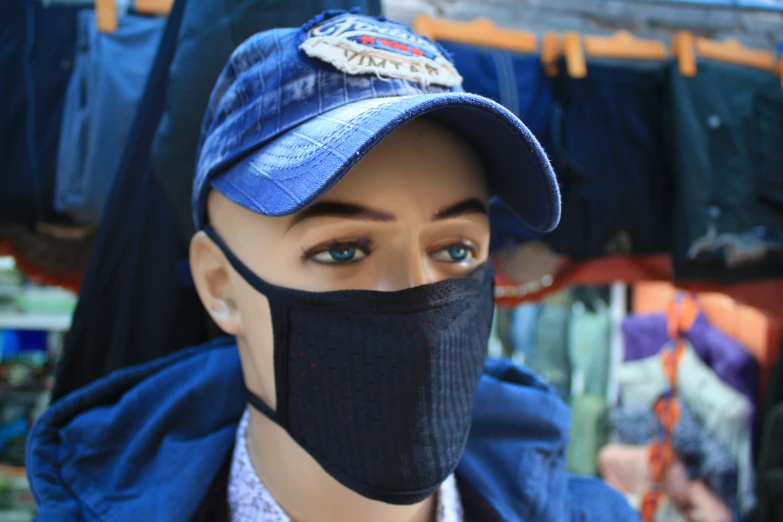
column 250, row 501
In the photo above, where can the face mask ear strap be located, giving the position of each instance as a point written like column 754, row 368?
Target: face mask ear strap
column 261, row 406
column 247, row 274
column 279, row 317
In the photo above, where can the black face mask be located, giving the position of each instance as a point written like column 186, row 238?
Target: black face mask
column 378, row 387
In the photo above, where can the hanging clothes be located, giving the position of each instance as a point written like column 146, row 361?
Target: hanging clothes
column 502, row 326
column 703, row 456
column 156, row 309
column 770, row 470
column 728, row 164
column 516, row 81
column 210, row 33
column 645, row 334
column 36, row 55
column 135, row 259
column 523, row 326
column 588, row 357
column 589, row 433
column 626, row 468
column 616, row 199
column 110, row 70
column 548, row 357
column 725, row 414
column 589, row 336
column 769, row 460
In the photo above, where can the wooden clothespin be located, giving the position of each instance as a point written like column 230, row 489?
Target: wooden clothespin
column 551, row 51
column 622, row 45
column 625, row 46
column 733, row 51
column 106, row 15
column 424, row 25
column 482, row 32
column 153, row 7
column 685, row 53
column 574, row 55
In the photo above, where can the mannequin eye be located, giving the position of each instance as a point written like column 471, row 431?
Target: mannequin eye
column 456, row 253
column 339, row 253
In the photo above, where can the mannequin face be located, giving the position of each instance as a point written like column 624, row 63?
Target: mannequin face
column 411, row 212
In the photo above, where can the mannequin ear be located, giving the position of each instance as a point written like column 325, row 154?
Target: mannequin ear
column 210, row 271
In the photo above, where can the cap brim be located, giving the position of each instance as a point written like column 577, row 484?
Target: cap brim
column 288, row 173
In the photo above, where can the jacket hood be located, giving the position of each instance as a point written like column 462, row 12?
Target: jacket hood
column 146, row 442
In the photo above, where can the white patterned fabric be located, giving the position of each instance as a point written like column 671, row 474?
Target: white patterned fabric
column 724, row 413
column 250, row 501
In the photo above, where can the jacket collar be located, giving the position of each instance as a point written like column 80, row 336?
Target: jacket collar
column 124, row 446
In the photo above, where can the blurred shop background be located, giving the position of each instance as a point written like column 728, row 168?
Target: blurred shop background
column 663, row 119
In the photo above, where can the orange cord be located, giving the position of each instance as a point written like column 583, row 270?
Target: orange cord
column 661, row 453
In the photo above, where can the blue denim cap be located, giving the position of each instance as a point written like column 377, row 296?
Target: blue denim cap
column 295, row 109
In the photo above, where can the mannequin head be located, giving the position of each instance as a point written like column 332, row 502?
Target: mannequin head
column 411, row 212
column 333, row 182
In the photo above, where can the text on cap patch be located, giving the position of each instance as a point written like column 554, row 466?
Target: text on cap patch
column 355, row 46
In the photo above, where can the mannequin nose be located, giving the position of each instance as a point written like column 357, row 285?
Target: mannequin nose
column 417, row 273
column 406, row 271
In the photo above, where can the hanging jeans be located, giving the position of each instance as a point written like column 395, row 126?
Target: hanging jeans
column 517, row 82
column 608, row 143
column 210, row 32
column 110, row 70
column 155, row 308
column 133, row 306
column 727, row 122
column 36, row 51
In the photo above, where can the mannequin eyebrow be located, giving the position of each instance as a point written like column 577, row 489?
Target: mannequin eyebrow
column 340, row 209
column 469, row 206
column 360, row 212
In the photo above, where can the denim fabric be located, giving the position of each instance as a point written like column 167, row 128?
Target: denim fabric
column 37, row 45
column 135, row 259
column 768, row 112
column 113, row 448
column 110, row 70
column 517, row 82
column 704, row 457
column 724, row 414
column 295, row 109
column 608, row 142
column 728, row 161
column 645, row 335
column 514, row 80
column 209, row 34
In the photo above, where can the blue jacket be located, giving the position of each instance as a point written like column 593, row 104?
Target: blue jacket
column 147, row 442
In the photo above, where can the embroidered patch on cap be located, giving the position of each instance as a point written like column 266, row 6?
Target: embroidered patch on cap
column 356, row 45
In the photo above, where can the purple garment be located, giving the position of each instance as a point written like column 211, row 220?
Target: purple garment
column 645, row 335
